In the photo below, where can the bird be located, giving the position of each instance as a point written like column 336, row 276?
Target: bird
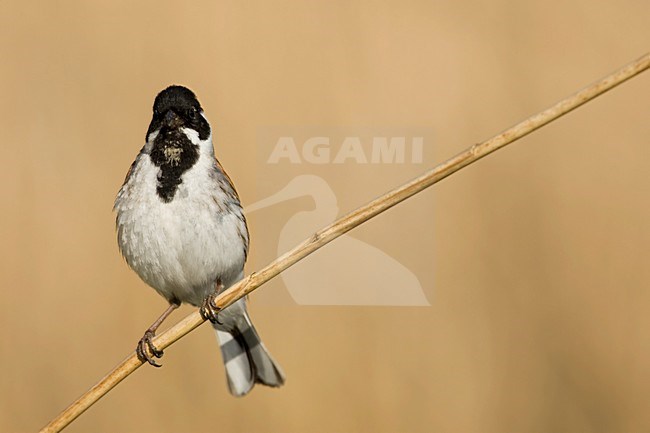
column 181, row 227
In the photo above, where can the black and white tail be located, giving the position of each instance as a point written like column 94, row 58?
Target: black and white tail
column 246, row 359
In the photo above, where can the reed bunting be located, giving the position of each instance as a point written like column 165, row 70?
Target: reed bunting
column 181, row 228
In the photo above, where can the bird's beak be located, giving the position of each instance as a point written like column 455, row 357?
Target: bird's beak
column 297, row 187
column 172, row 120
column 284, row 194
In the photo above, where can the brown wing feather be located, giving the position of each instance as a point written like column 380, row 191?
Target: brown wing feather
column 229, row 188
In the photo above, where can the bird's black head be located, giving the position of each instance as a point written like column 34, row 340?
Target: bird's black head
column 174, row 150
column 177, row 107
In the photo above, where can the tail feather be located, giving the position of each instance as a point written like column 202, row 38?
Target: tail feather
column 239, row 370
column 246, row 359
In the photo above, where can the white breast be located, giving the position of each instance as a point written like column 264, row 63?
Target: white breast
column 182, row 247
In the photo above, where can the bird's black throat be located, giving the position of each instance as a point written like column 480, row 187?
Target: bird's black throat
column 174, row 154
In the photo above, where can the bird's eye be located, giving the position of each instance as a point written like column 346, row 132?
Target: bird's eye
column 193, row 113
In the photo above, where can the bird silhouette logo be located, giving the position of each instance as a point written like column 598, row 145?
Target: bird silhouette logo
column 350, row 271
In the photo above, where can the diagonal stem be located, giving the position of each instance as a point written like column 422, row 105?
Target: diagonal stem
column 347, row 223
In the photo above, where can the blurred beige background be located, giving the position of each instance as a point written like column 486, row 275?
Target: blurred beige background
column 535, row 260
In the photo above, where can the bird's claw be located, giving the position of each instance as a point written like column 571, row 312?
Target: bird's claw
column 209, row 310
column 146, row 350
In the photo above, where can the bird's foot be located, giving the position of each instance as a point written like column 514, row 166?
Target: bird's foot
column 209, row 310
column 146, row 350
